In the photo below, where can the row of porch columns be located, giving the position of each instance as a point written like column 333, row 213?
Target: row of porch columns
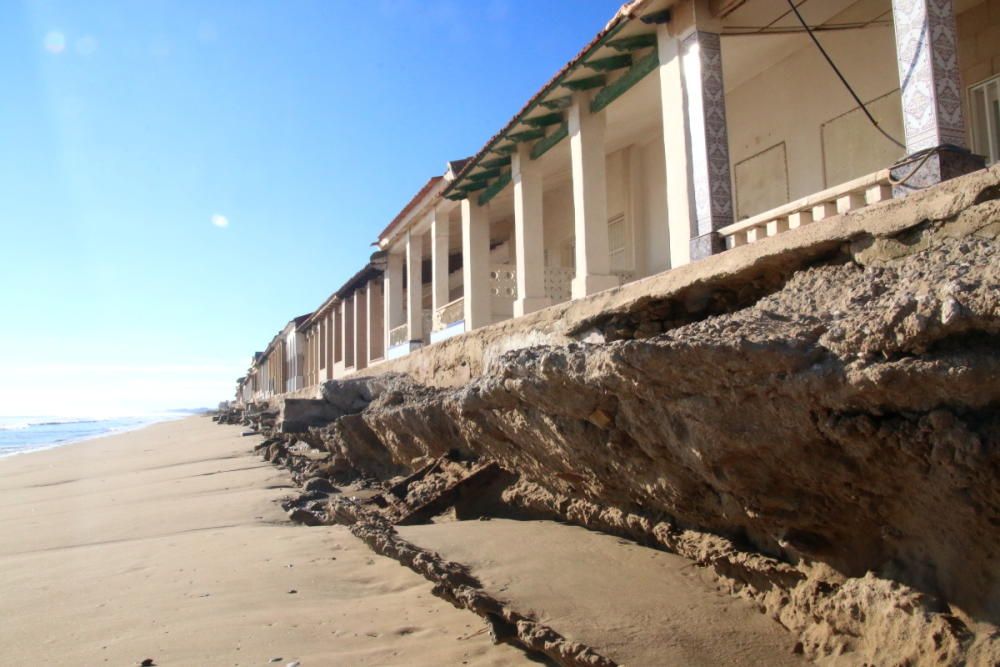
column 698, row 185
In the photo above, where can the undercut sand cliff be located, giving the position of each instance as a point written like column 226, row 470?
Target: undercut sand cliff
column 817, row 423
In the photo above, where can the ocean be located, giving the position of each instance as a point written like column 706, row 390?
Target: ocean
column 19, row 435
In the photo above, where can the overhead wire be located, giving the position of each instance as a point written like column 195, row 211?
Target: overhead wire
column 843, row 79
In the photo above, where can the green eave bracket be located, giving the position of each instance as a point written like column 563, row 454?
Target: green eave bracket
column 495, row 163
column 542, row 147
column 619, row 86
column 585, row 84
column 455, row 196
column 558, row 103
column 483, row 175
column 495, row 188
column 471, row 186
column 610, row 63
column 544, row 121
column 506, row 149
column 634, row 42
column 526, row 135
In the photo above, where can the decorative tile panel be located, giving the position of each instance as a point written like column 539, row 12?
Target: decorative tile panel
column 927, row 49
column 702, row 66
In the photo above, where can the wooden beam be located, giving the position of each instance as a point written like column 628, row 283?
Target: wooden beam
column 526, row 135
column 633, row 42
column 610, row 63
column 585, row 84
column 506, row 149
column 483, row 175
column 539, row 149
column 455, row 195
column 619, row 86
column 544, row 121
column 558, row 103
column 494, row 189
column 495, row 162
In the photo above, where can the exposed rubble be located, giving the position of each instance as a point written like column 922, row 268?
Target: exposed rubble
column 827, row 443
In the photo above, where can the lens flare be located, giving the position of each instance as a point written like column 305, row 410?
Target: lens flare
column 55, row 42
column 220, row 220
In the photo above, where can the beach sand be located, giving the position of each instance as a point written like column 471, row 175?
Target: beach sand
column 636, row 605
column 166, row 543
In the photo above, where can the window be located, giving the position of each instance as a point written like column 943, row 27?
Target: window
column 620, row 243
column 984, row 105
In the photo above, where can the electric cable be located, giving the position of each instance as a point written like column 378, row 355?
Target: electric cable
column 843, row 80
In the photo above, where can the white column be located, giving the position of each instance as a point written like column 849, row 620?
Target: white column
column 414, row 287
column 370, row 321
column 393, row 284
column 590, row 199
column 931, row 93
column 529, row 241
column 476, row 263
column 696, row 143
column 360, row 329
column 440, row 239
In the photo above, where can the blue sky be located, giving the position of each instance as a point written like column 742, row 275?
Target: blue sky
column 128, row 129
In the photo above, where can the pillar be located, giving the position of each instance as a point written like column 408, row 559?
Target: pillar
column 931, row 94
column 476, row 263
column 529, row 241
column 440, row 240
column 331, row 335
column 338, row 332
column 696, row 141
column 376, row 320
column 590, row 199
column 392, row 281
column 360, row 299
column 414, row 287
column 348, row 319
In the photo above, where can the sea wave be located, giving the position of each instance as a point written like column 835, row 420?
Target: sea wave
column 22, row 434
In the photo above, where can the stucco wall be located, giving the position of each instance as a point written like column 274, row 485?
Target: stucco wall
column 790, row 101
column 979, row 42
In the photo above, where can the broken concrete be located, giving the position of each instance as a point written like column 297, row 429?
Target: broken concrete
column 814, row 417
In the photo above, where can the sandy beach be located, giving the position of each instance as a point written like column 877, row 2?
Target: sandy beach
column 166, row 543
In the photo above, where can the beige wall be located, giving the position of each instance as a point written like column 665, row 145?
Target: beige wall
column 979, row 42
column 791, row 100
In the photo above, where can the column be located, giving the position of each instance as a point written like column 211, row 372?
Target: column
column 440, row 239
column 323, row 356
column 393, row 289
column 529, row 242
column 414, row 287
column 338, row 332
column 349, row 332
column 931, row 94
column 360, row 299
column 696, row 141
column 330, row 337
column 590, row 199
column 376, row 320
column 476, row 263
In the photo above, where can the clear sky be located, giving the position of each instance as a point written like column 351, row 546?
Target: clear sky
column 178, row 179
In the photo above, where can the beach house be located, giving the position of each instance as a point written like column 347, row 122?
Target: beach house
column 684, row 128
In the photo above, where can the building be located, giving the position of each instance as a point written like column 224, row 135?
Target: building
column 682, row 129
